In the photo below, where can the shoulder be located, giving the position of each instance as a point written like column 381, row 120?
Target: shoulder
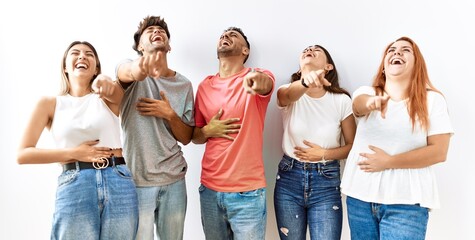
column 363, row 90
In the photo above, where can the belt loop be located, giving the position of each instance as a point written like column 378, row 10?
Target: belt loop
column 113, row 161
column 77, row 165
column 292, row 163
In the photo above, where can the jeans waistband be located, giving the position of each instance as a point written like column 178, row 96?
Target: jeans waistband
column 309, row 165
column 109, row 162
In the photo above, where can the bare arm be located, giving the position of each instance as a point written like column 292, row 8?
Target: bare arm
column 42, row 118
column 364, row 104
column 151, row 65
column 290, row 94
column 435, row 152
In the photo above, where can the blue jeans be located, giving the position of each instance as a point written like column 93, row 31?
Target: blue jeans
column 164, row 207
column 373, row 221
column 308, row 194
column 96, row 204
column 233, row 215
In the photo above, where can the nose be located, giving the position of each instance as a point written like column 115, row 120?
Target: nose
column 397, row 52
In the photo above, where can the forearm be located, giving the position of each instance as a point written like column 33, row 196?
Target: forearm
column 290, row 94
column 32, row 155
column 359, row 105
column 338, row 153
column 180, row 130
column 199, row 136
column 129, row 72
column 418, row 158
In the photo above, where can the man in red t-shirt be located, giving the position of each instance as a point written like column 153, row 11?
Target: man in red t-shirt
column 230, row 109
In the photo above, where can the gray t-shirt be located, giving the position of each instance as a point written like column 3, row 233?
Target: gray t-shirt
column 150, row 149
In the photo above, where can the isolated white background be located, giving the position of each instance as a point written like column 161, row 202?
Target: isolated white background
column 34, row 35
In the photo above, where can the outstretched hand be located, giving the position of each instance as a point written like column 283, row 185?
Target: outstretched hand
column 257, row 82
column 152, row 65
column 378, row 103
column 315, row 79
column 103, row 85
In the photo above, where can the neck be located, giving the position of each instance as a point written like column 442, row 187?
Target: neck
column 79, row 88
column 396, row 88
column 229, row 66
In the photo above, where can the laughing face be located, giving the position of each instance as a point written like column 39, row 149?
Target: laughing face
column 232, row 43
column 81, row 61
column 313, row 56
column 399, row 59
column 154, row 38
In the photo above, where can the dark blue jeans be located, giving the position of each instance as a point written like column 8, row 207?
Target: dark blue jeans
column 308, row 194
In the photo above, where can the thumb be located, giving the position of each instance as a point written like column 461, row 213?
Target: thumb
column 163, row 95
column 219, row 114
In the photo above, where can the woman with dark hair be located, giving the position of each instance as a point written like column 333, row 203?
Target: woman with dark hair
column 96, row 197
column 403, row 129
column 319, row 128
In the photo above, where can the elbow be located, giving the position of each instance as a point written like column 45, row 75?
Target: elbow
column 21, row 159
column 185, row 141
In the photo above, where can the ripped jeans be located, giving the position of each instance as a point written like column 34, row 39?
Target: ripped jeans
column 308, row 194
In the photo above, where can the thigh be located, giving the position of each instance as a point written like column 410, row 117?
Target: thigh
column 77, row 214
column 172, row 211
column 325, row 220
column 120, row 213
column 324, row 212
column 289, row 203
column 363, row 225
column 147, row 200
column 247, row 214
column 213, row 216
column 403, row 222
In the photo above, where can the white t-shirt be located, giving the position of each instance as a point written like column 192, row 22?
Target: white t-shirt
column 394, row 135
column 317, row 120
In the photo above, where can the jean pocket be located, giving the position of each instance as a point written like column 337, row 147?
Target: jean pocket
column 285, row 165
column 123, row 171
column 201, row 188
column 331, row 172
column 67, row 177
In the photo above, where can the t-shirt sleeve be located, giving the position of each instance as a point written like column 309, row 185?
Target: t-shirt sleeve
column 346, row 107
column 363, row 90
column 439, row 119
column 188, row 115
column 199, row 118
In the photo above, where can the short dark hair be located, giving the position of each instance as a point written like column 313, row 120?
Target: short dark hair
column 144, row 24
column 239, row 30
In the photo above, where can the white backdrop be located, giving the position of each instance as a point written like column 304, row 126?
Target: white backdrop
column 34, row 35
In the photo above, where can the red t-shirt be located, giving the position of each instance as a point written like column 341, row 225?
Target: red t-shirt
column 232, row 166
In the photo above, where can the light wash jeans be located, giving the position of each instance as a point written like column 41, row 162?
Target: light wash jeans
column 373, row 221
column 96, row 204
column 308, row 194
column 164, row 207
column 233, row 215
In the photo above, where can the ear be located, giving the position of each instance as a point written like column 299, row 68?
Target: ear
column 245, row 51
column 328, row 67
